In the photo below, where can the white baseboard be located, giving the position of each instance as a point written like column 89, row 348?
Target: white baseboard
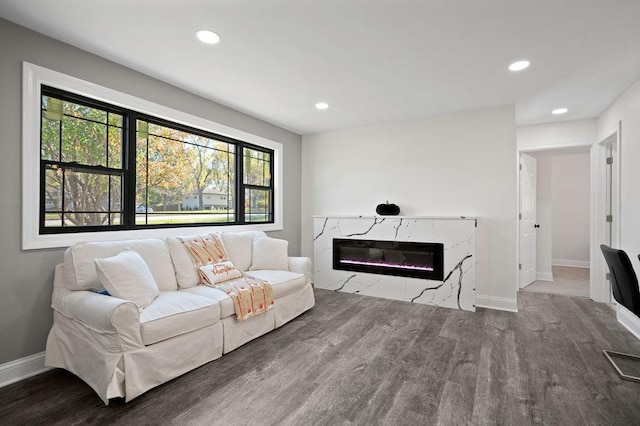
column 23, row 368
column 571, row 263
column 497, row 303
column 544, row 276
column 629, row 321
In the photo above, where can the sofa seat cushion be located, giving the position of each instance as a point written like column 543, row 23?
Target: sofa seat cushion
column 283, row 282
column 225, row 301
column 173, row 313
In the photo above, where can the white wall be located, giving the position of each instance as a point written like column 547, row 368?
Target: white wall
column 571, row 203
column 446, row 165
column 627, row 110
column 544, row 215
column 552, row 135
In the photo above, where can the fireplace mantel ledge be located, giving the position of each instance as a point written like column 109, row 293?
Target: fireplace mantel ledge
column 397, row 217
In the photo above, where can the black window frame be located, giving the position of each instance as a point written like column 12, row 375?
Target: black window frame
column 128, row 170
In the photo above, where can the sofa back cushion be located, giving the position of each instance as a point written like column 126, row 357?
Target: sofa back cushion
column 270, row 254
column 203, row 249
column 239, row 247
column 80, row 269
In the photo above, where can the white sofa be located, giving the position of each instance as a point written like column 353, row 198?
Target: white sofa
column 121, row 352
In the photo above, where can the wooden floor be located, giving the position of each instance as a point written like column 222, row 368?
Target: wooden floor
column 360, row 360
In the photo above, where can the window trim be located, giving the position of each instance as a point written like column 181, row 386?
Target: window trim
column 33, row 77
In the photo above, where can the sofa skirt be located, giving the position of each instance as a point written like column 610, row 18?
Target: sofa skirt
column 129, row 374
column 286, row 308
column 293, row 304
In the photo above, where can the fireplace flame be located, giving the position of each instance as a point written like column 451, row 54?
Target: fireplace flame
column 388, row 265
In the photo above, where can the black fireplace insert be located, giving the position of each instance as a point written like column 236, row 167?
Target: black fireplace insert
column 399, row 258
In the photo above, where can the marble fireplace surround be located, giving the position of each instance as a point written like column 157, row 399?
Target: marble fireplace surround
column 457, row 291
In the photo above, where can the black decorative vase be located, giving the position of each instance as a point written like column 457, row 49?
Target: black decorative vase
column 387, row 209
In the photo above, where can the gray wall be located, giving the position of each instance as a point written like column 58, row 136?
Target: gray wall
column 26, row 276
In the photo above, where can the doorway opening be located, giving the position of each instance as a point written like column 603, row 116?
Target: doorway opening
column 555, row 221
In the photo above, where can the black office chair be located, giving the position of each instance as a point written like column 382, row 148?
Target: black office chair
column 624, row 284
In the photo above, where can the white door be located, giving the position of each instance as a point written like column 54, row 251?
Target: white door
column 527, row 220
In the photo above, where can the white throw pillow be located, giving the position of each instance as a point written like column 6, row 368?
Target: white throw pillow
column 270, row 254
column 127, row 276
column 220, row 272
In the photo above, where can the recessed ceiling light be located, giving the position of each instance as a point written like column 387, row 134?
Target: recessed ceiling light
column 559, row 111
column 519, row 66
column 322, row 105
column 208, row 37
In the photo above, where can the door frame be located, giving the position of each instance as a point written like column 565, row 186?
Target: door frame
column 593, row 191
column 599, row 287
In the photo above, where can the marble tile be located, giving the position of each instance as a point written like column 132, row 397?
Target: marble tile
column 457, row 291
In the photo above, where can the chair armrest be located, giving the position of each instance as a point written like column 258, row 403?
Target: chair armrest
column 301, row 265
column 99, row 313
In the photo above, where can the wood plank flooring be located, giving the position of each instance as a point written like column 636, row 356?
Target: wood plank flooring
column 359, row 360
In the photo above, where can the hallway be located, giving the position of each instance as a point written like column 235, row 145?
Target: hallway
column 567, row 281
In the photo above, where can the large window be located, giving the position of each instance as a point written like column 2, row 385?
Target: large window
column 104, row 167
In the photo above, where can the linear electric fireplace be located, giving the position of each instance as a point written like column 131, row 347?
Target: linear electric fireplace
column 399, row 258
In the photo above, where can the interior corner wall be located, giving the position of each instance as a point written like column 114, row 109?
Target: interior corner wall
column 571, row 205
column 544, row 215
column 27, row 276
column 626, row 110
column 444, row 165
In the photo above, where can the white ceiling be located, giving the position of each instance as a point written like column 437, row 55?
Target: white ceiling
column 371, row 60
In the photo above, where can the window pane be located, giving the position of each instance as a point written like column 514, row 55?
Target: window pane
column 183, row 178
column 115, row 219
column 84, row 142
column 50, row 140
column 257, row 167
column 141, row 172
column 115, row 148
column 52, row 220
column 85, row 197
column 257, row 205
column 52, row 193
column 84, row 112
column 115, row 195
column 114, row 120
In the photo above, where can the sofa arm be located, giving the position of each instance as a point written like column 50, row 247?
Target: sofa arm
column 301, row 265
column 99, row 313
